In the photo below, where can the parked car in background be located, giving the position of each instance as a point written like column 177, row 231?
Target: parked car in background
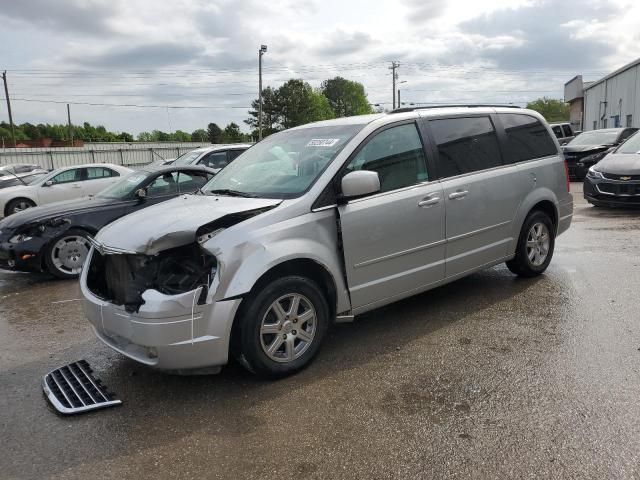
column 322, row 222
column 563, row 132
column 17, row 168
column 590, row 147
column 216, row 157
column 615, row 180
column 21, row 178
column 54, row 237
column 62, row 184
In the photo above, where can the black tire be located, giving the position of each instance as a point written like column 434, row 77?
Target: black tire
column 62, row 271
column 522, row 264
column 19, row 204
column 249, row 349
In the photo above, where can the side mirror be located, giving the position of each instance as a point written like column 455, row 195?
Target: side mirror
column 359, row 183
column 141, row 193
column 48, row 183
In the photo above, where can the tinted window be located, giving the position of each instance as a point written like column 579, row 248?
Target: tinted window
column 166, row 184
column 215, row 160
column 557, row 131
column 465, row 145
column 396, row 154
column 72, row 175
column 626, row 134
column 527, row 138
column 232, row 154
column 100, row 172
column 567, row 131
column 190, row 182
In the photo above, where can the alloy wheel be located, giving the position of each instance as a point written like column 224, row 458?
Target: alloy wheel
column 538, row 243
column 68, row 254
column 288, row 328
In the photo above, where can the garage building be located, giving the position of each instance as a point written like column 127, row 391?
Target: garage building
column 614, row 100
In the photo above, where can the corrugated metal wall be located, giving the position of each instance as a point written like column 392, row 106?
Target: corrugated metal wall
column 614, row 100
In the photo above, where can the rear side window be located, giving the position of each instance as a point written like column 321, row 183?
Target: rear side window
column 465, row 145
column 557, row 131
column 567, row 131
column 527, row 138
column 100, row 172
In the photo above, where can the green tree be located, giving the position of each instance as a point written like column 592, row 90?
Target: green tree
column 346, row 97
column 199, row 135
column 551, row 109
column 144, row 137
column 271, row 113
column 215, row 133
column 180, row 136
column 299, row 103
column 232, row 134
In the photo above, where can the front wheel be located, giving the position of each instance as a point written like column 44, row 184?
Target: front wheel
column 66, row 254
column 282, row 327
column 535, row 246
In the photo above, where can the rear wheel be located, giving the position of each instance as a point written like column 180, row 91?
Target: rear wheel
column 282, row 327
column 66, row 254
column 18, row 205
column 535, row 246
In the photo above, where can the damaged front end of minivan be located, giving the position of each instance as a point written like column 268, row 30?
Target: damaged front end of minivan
column 154, row 300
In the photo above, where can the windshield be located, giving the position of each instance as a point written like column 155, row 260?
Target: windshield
column 187, row 158
column 595, row 137
column 283, row 165
column 632, row 145
column 124, row 187
column 34, row 179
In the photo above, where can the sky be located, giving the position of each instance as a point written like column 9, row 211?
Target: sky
column 185, row 63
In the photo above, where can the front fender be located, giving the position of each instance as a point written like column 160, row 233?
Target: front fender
column 312, row 236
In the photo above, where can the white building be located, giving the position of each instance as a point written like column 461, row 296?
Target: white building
column 614, row 100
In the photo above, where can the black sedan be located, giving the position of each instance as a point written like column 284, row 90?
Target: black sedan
column 53, row 237
column 615, row 180
column 590, row 147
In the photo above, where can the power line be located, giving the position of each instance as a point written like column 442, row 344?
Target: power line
column 14, row 99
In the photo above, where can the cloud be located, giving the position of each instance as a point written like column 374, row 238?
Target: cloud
column 342, row 43
column 546, row 37
column 90, row 18
column 152, row 55
column 422, row 11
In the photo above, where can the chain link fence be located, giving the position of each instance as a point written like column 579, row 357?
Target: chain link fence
column 128, row 154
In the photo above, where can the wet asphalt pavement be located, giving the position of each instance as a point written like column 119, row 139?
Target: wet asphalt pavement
column 489, row 377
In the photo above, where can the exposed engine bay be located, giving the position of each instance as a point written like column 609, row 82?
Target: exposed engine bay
column 123, row 278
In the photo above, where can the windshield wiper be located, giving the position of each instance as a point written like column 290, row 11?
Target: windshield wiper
column 231, row 193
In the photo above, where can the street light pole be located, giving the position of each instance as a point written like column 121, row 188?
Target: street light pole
column 262, row 51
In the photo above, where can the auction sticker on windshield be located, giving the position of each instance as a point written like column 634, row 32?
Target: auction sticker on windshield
column 322, row 142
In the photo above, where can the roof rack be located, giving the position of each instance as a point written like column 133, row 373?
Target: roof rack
column 411, row 109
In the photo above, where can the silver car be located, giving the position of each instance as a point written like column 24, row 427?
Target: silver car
column 323, row 222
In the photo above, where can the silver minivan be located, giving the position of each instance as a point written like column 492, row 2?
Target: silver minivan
column 323, row 222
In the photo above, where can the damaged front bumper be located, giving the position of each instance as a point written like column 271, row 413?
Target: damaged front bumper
column 183, row 331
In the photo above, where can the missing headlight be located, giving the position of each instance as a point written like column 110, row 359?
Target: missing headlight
column 123, row 278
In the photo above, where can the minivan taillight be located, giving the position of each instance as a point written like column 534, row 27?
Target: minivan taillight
column 566, row 175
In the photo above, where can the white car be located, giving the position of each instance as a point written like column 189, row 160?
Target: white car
column 215, row 157
column 62, row 184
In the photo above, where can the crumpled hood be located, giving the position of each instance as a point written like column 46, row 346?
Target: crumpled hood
column 620, row 164
column 63, row 209
column 173, row 223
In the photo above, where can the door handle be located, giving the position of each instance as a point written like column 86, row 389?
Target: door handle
column 458, row 195
column 428, row 202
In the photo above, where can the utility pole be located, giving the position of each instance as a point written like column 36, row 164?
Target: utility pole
column 70, row 126
column 399, row 103
column 262, row 51
column 394, row 76
column 6, row 94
